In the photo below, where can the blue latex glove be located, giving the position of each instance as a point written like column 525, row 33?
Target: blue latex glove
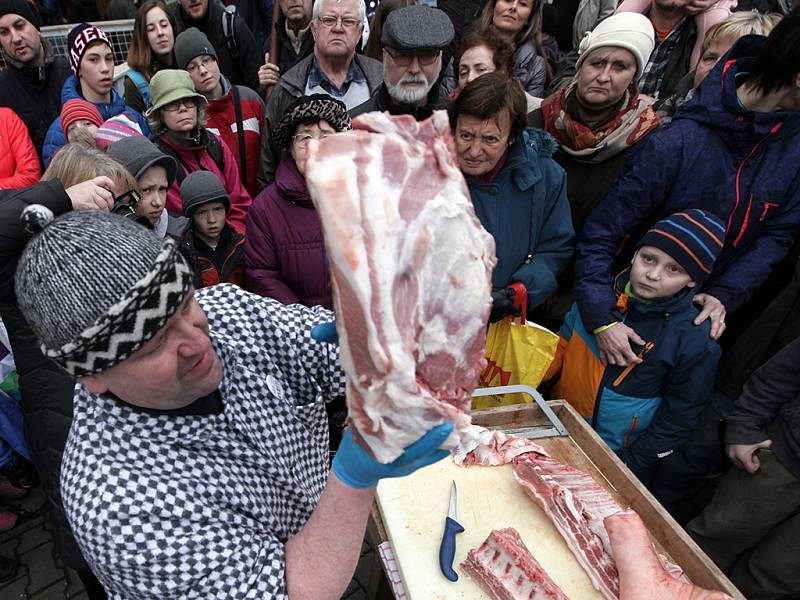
column 325, row 332
column 357, row 469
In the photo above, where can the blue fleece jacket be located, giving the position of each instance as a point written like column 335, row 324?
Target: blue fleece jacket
column 55, row 137
column 741, row 165
column 525, row 208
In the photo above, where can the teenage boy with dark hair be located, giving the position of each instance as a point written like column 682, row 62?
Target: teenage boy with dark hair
column 91, row 57
column 647, row 410
column 213, row 249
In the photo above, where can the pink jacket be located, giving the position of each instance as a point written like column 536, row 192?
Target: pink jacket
column 196, row 158
column 19, row 162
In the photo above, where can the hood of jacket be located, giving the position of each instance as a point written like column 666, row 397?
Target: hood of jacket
column 523, row 158
column 291, row 184
column 107, row 110
column 716, row 105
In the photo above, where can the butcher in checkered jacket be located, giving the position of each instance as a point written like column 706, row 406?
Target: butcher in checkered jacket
column 196, row 465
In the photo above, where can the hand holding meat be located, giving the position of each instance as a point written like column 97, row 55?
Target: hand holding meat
column 503, row 305
column 357, row 469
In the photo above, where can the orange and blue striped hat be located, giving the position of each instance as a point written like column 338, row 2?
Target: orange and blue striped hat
column 692, row 237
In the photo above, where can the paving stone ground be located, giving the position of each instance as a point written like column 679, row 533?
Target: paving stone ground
column 41, row 576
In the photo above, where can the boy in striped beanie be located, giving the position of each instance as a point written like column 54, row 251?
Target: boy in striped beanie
column 646, row 410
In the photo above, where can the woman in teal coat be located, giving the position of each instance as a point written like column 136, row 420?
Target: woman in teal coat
column 518, row 191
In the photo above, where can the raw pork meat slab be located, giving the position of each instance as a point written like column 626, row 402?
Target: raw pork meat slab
column 641, row 574
column 411, row 269
column 577, row 505
column 490, row 447
column 505, row 568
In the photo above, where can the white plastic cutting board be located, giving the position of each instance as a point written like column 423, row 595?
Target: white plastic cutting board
column 413, row 510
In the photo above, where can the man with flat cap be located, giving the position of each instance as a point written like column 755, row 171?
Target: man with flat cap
column 413, row 39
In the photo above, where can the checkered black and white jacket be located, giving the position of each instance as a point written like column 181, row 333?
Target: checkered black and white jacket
column 168, row 506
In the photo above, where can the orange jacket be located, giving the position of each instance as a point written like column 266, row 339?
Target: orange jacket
column 19, row 163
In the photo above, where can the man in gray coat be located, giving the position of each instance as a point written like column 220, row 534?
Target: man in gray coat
column 334, row 69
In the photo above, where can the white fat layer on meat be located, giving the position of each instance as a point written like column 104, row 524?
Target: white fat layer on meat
column 453, row 283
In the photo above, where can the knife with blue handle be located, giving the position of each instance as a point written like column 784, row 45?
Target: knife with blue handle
column 452, row 527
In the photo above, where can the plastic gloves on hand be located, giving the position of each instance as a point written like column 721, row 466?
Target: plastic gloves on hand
column 503, row 305
column 357, row 469
column 325, row 332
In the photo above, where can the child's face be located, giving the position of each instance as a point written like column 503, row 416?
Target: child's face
column 655, row 274
column 208, row 221
column 710, row 57
column 80, row 124
column 95, row 73
column 153, row 193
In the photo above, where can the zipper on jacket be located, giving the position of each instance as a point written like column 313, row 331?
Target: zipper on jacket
column 745, row 223
column 621, row 377
column 627, row 439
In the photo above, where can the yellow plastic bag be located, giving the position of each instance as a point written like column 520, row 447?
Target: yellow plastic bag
column 518, row 352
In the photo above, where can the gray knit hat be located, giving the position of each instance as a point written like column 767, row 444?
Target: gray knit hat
column 202, row 187
column 137, row 154
column 417, row 27
column 96, row 287
column 192, row 43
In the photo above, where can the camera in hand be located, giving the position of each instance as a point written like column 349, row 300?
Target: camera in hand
column 125, row 205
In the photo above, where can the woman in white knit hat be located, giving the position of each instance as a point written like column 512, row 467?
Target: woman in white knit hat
column 598, row 118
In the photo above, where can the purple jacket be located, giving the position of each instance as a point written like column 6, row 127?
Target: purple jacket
column 285, row 252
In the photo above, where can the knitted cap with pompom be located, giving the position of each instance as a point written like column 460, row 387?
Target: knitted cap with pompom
column 96, row 287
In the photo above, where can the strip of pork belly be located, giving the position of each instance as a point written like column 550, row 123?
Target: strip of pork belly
column 489, row 447
column 411, row 270
column 506, row 569
column 576, row 505
column 641, row 574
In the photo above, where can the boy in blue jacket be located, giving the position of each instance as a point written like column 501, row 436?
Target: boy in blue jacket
column 646, row 410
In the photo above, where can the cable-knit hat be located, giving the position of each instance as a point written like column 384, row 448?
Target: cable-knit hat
column 22, row 8
column 202, row 187
column 77, row 109
column 627, row 30
column 317, row 107
column 692, row 237
column 96, row 286
column 80, row 38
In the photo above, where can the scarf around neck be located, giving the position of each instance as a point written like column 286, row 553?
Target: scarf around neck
column 633, row 121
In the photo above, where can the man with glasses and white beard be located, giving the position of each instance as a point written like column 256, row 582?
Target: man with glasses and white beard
column 413, row 39
column 333, row 69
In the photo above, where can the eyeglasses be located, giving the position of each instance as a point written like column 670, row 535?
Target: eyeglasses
column 302, row 139
column 176, row 104
column 347, row 22
column 425, row 57
column 468, row 137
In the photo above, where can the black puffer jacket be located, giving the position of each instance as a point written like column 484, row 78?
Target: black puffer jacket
column 241, row 70
column 46, row 389
column 34, row 93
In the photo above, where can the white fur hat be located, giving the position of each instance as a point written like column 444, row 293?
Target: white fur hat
column 628, row 30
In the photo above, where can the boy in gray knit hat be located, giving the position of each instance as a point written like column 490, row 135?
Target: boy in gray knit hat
column 213, row 249
column 197, row 462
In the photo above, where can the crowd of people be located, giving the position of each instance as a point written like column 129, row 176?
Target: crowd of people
column 161, row 265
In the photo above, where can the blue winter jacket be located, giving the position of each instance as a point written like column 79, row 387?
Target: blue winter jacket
column 55, row 137
column 717, row 156
column 526, row 210
column 644, row 411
